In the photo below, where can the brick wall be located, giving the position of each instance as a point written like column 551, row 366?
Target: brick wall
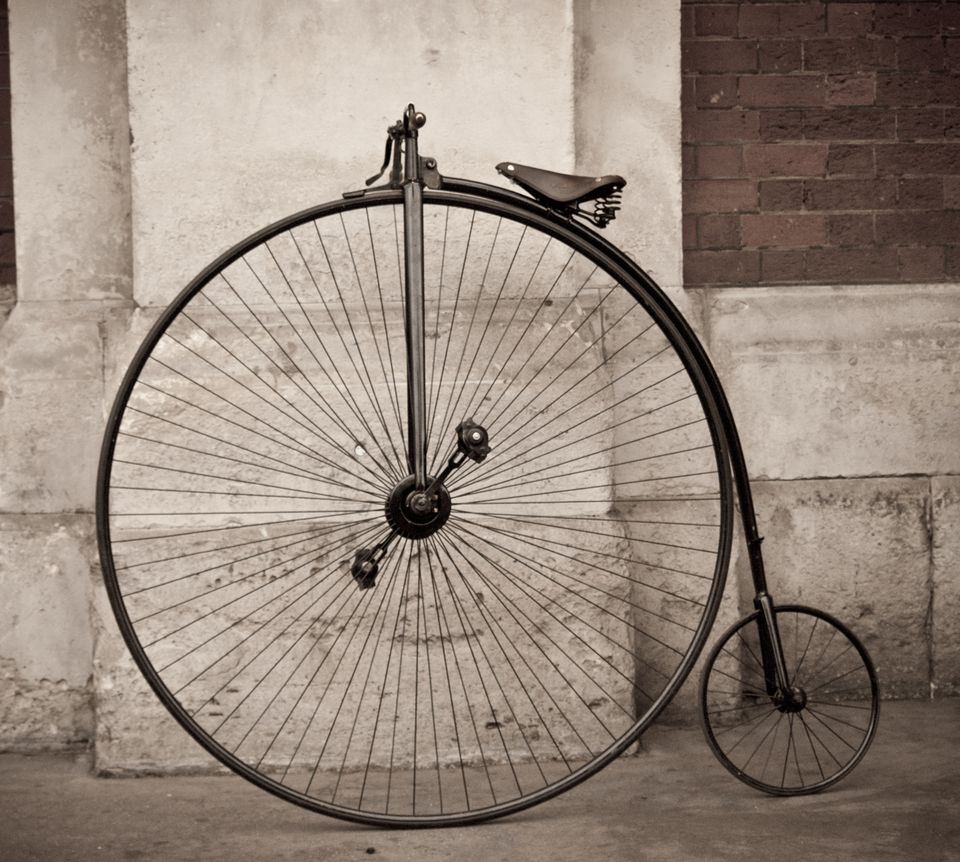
column 8, row 261
column 821, row 142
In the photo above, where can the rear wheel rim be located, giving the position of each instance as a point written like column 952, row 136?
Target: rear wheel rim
column 810, row 741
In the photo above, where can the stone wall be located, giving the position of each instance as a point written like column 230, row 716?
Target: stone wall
column 166, row 131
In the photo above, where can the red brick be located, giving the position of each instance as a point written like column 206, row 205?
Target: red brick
column 785, row 160
column 688, row 160
column 780, row 56
column 851, row 159
column 918, row 89
column 8, row 250
column 849, row 19
column 907, row 19
column 850, row 230
column 922, row 263
column 918, row 228
column 716, row 20
column 951, row 193
column 688, row 90
column 920, row 55
column 717, row 126
column 721, row 267
column 920, row 193
column 850, row 194
column 950, row 21
column 719, row 231
column 780, row 125
column 919, row 123
column 781, row 91
column 951, row 122
column 759, row 20
column 777, row 230
column 689, row 231
column 781, row 195
column 6, row 178
column 851, row 89
column 6, row 214
column 952, row 263
column 782, row 267
column 719, row 161
column 802, row 19
column 849, row 123
column 686, row 21
column 719, row 56
column 8, row 278
column 952, row 53
column 849, row 55
column 716, row 91
column 707, row 196
column 851, row 265
column 918, row 158
column 951, row 90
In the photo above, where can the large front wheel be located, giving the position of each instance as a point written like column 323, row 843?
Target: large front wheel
column 506, row 644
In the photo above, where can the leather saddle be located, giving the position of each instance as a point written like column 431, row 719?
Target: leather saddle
column 561, row 190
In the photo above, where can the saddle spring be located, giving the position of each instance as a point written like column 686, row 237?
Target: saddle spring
column 604, row 209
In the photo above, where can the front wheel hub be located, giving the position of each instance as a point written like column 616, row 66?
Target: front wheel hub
column 794, row 699
column 415, row 514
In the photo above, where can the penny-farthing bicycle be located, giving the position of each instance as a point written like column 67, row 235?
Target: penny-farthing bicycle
column 416, row 507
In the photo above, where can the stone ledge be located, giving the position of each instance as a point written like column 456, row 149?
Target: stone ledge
column 858, row 549
column 45, row 639
column 841, row 381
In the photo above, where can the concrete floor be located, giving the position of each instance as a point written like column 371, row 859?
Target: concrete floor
column 672, row 803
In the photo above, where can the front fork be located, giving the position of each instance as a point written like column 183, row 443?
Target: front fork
column 412, row 183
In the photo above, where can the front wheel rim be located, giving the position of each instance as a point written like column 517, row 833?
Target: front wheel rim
column 411, row 566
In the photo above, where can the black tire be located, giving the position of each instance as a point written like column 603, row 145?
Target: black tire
column 497, row 662
column 784, row 752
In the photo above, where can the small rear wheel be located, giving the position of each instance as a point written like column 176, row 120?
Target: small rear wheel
column 809, row 740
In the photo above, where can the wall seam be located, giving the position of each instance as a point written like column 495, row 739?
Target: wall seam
column 930, row 621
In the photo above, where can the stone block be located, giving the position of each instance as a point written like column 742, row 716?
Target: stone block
column 223, row 146
column 134, row 733
column 946, row 585
column 71, row 150
column 641, row 144
column 859, row 550
column 853, row 381
column 46, row 642
column 672, row 584
column 51, row 413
